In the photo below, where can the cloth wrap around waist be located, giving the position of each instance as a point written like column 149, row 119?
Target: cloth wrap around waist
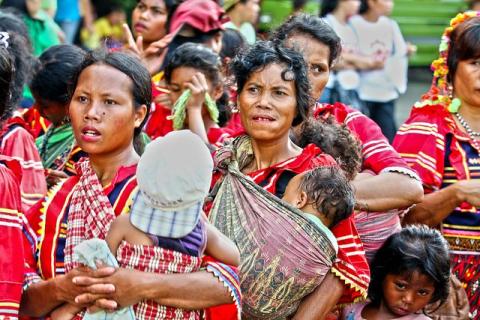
column 284, row 255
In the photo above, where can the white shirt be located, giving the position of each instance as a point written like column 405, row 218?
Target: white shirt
column 348, row 79
column 382, row 40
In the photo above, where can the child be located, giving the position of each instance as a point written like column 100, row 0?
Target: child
column 410, row 271
column 380, row 38
column 323, row 193
column 107, row 28
column 166, row 230
column 197, row 68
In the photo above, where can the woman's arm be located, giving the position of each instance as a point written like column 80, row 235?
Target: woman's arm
column 438, row 205
column 319, row 303
column 132, row 286
column 387, row 191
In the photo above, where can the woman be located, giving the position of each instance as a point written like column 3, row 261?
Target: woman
column 11, row 273
column 345, row 80
column 111, row 91
column 440, row 140
column 273, row 95
column 49, row 86
column 15, row 138
column 392, row 186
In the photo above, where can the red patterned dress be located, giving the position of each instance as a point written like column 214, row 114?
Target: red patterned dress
column 378, row 156
column 12, row 267
column 18, row 143
column 46, row 244
column 442, row 154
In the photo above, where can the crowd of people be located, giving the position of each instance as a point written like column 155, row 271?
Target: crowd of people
column 183, row 168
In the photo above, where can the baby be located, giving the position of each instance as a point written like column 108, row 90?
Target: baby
column 166, row 230
column 324, row 194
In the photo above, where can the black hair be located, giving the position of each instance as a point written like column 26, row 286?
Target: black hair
column 330, row 191
column 315, row 27
column 19, row 5
column 464, row 45
column 128, row 65
column 334, row 139
column 299, row 4
column 328, row 6
column 232, row 42
column 364, row 7
column 472, row 3
column 208, row 62
column 198, row 37
column 20, row 50
column 416, row 248
column 57, row 66
column 6, row 76
column 264, row 53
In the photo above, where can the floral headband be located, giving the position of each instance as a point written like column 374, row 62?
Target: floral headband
column 4, row 39
column 439, row 92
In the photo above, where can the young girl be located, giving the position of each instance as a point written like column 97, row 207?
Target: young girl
column 410, row 271
column 197, row 68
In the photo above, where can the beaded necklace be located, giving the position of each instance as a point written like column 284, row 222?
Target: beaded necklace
column 472, row 134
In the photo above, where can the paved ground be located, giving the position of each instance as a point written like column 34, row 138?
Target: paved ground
column 418, row 84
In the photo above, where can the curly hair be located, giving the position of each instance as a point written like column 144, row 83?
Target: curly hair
column 312, row 26
column 330, row 192
column 415, row 248
column 334, row 139
column 264, row 53
column 20, row 49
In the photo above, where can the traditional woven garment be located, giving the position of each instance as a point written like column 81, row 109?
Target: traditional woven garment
column 17, row 142
column 284, row 255
column 11, row 270
column 158, row 260
column 59, row 150
column 91, row 213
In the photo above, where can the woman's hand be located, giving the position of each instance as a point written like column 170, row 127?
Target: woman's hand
column 126, row 290
column 154, row 55
column 68, row 286
column 468, row 191
column 198, row 86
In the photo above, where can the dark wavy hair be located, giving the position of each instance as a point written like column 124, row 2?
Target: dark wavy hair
column 209, row 63
column 55, row 70
column 464, row 45
column 20, row 50
column 334, row 139
column 6, row 76
column 128, row 65
column 312, row 26
column 264, row 53
column 330, row 191
column 415, row 248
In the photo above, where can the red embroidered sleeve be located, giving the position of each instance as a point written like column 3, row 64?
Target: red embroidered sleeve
column 421, row 143
column 12, row 270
